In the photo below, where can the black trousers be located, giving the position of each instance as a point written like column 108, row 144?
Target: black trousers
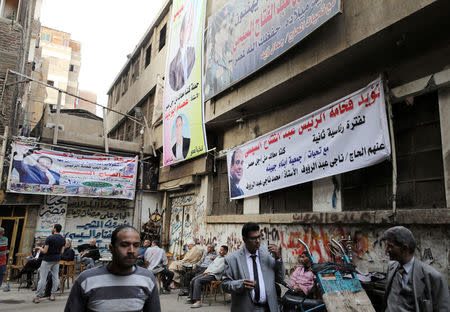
column 188, row 276
column 166, row 278
column 29, row 268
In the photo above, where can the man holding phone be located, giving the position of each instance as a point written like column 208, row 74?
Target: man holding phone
column 251, row 273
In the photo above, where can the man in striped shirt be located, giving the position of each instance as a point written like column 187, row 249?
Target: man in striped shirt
column 120, row 285
column 3, row 251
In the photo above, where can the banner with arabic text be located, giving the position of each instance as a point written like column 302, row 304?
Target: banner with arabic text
column 42, row 171
column 183, row 125
column 346, row 135
column 244, row 36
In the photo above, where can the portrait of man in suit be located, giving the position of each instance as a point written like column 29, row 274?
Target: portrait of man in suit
column 181, row 147
column 251, row 273
column 236, row 173
column 411, row 284
column 183, row 62
column 39, row 172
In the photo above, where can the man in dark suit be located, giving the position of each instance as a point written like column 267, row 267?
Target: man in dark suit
column 181, row 147
column 251, row 272
column 183, row 62
column 236, row 172
column 39, row 173
column 411, row 285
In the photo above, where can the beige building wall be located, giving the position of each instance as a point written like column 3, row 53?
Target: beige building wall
column 64, row 59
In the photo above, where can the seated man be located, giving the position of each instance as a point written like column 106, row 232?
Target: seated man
column 68, row 253
column 89, row 253
column 213, row 272
column 192, row 257
column 302, row 280
column 198, row 268
column 32, row 264
column 140, row 260
column 157, row 262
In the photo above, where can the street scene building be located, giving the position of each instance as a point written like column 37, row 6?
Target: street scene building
column 318, row 120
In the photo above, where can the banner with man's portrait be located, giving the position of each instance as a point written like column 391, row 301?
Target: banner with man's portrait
column 345, row 135
column 36, row 170
column 183, row 125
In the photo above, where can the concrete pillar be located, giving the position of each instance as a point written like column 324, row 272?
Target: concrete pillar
column 444, row 113
column 323, row 193
column 251, row 205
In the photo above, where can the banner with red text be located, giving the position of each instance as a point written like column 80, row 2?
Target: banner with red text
column 244, row 36
column 183, row 125
column 346, row 135
column 42, row 171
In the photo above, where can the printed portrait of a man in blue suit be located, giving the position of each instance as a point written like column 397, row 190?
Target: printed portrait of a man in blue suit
column 39, row 173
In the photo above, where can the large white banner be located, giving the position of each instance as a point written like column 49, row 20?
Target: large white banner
column 346, row 135
column 36, row 170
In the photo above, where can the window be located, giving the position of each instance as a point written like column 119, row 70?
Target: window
column 50, row 82
column 297, row 198
column 124, row 83
column 117, row 92
column 420, row 173
column 10, row 9
column 162, row 37
column 148, row 55
column 420, row 169
column 71, row 67
column 135, row 69
column 221, row 196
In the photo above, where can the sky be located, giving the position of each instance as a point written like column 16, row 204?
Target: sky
column 108, row 30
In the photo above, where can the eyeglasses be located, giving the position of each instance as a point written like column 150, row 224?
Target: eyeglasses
column 254, row 238
column 238, row 162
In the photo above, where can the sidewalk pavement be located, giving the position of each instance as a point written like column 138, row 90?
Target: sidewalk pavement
column 20, row 300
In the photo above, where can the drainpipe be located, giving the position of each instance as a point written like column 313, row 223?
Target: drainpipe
column 387, row 96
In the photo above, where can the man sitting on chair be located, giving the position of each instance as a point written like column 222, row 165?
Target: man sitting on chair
column 157, row 262
column 89, row 253
column 213, row 272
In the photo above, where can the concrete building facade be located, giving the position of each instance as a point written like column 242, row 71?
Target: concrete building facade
column 407, row 43
column 63, row 56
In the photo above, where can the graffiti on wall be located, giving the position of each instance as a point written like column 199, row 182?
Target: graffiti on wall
column 85, row 223
column 52, row 212
column 181, row 222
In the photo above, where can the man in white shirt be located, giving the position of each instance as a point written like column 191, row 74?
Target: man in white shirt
column 213, row 272
column 156, row 260
column 251, row 273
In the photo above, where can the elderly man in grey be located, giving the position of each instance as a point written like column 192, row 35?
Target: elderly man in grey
column 411, row 285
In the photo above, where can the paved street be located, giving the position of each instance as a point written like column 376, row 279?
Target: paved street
column 15, row 300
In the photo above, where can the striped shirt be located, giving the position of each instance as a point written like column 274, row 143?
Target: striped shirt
column 98, row 289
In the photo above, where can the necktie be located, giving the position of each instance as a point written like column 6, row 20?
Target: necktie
column 255, row 277
column 401, row 272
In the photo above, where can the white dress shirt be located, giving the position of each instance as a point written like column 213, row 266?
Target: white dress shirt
column 262, row 287
column 408, row 272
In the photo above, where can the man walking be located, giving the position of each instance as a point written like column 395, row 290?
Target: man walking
column 3, row 251
column 251, row 273
column 411, row 285
column 52, row 250
column 120, row 285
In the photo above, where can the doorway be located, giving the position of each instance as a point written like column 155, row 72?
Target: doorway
column 180, row 223
column 13, row 221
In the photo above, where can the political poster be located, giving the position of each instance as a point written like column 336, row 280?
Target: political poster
column 244, row 36
column 346, row 135
column 36, row 170
column 183, row 124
